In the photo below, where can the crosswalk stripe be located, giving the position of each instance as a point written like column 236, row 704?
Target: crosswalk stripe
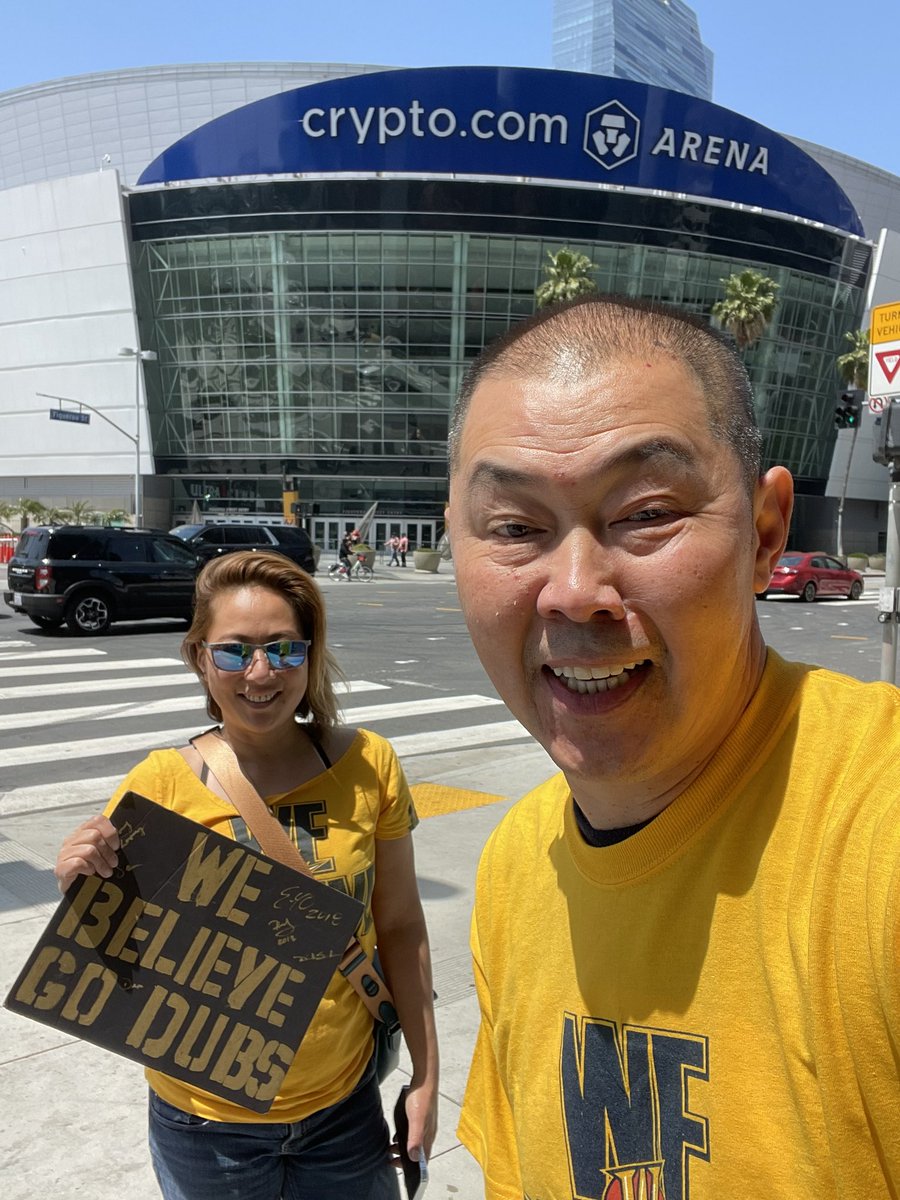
column 143, row 708
column 46, row 796
column 119, row 743
column 70, row 652
column 18, row 756
column 180, row 679
column 78, row 687
column 412, row 744
column 121, row 664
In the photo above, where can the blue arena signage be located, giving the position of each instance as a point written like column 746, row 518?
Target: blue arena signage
column 506, row 121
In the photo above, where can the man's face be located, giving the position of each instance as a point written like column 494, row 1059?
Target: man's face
column 606, row 553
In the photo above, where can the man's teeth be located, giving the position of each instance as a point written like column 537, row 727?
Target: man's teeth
column 588, row 680
column 259, row 699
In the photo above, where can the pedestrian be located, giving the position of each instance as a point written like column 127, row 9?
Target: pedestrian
column 393, row 544
column 686, row 944
column 403, row 547
column 258, row 645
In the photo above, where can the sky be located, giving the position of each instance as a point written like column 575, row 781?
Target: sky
column 821, row 71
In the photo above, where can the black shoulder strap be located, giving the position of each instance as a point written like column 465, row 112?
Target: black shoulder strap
column 326, row 761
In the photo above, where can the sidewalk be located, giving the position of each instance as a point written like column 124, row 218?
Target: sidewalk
column 75, row 1123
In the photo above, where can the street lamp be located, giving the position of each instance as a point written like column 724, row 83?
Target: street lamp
column 139, row 356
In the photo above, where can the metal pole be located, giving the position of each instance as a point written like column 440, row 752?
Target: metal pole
column 137, row 443
column 840, row 511
column 891, row 578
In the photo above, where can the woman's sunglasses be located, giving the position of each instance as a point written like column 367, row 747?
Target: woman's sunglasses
column 237, row 656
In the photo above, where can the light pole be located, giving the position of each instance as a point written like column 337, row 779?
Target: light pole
column 139, row 356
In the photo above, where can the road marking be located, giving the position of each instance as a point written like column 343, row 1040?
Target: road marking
column 124, row 664
column 120, row 743
column 73, row 687
column 183, row 678
column 46, row 796
column 847, row 637
column 413, row 744
column 127, row 708
column 68, row 652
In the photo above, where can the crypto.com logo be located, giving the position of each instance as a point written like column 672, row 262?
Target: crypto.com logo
column 611, row 135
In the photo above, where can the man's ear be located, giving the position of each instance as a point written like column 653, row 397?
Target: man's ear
column 773, row 504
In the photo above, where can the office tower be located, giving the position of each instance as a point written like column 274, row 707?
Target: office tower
column 652, row 41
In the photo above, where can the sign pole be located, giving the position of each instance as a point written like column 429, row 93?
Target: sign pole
column 891, row 579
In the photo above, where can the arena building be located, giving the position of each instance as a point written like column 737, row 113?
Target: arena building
column 233, row 275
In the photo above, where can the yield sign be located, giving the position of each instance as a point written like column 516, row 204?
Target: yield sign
column 889, row 361
column 884, row 369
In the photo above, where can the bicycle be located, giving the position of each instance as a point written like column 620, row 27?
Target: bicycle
column 359, row 570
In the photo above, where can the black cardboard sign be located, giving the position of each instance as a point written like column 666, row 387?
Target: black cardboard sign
column 200, row 957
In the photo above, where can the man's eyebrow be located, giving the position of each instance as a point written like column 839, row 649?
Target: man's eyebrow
column 486, row 473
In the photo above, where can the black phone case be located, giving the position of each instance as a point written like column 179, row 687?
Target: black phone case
column 414, row 1174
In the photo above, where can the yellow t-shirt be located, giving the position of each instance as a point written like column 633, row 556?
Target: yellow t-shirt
column 710, row 1008
column 334, row 820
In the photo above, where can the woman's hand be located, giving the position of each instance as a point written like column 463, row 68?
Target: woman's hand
column 91, row 849
column 422, row 1114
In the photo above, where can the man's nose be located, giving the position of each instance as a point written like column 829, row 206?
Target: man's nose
column 581, row 580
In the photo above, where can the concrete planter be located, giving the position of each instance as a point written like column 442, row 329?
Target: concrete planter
column 427, row 560
column 876, row 562
column 857, row 562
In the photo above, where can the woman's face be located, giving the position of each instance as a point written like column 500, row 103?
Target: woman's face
column 260, row 700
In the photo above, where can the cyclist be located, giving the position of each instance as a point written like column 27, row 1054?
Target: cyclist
column 344, row 552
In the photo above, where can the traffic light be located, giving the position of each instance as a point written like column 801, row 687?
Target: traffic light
column 848, row 412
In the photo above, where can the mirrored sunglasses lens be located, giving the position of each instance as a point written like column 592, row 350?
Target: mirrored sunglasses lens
column 231, row 657
column 283, row 655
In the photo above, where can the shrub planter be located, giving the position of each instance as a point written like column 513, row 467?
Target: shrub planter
column 857, row 562
column 427, row 560
column 876, row 562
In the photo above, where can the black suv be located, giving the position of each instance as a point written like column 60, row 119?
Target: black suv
column 91, row 576
column 209, row 541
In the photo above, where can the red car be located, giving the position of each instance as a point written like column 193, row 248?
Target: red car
column 812, row 575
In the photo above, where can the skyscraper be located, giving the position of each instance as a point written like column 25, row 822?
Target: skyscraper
column 652, row 41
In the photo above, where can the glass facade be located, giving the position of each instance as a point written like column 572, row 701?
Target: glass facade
column 651, row 41
column 333, row 354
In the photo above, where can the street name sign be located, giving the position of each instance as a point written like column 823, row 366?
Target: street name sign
column 884, row 350
column 62, row 414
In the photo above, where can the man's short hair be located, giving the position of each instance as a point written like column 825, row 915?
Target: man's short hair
column 580, row 336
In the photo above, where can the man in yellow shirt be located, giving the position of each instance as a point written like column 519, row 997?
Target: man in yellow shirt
column 685, row 944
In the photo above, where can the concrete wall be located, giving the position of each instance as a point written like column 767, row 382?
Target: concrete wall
column 66, row 307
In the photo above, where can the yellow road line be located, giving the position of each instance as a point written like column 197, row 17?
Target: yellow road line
column 847, row 637
column 448, row 610
column 434, row 799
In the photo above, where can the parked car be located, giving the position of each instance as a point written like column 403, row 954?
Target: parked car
column 89, row 576
column 208, row 541
column 813, row 575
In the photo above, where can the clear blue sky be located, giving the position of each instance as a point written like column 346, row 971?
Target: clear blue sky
column 823, row 71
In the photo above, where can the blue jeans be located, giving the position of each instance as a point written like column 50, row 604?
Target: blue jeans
column 339, row 1153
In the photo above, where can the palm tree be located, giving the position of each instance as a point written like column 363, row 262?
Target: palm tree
column 7, row 511
column 567, row 276
column 748, row 306
column 30, row 510
column 853, row 369
column 116, row 516
column 80, row 512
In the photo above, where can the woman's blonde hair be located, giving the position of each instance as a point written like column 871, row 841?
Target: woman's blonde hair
column 249, row 569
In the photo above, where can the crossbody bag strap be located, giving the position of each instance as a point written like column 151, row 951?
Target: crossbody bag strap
column 355, row 965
